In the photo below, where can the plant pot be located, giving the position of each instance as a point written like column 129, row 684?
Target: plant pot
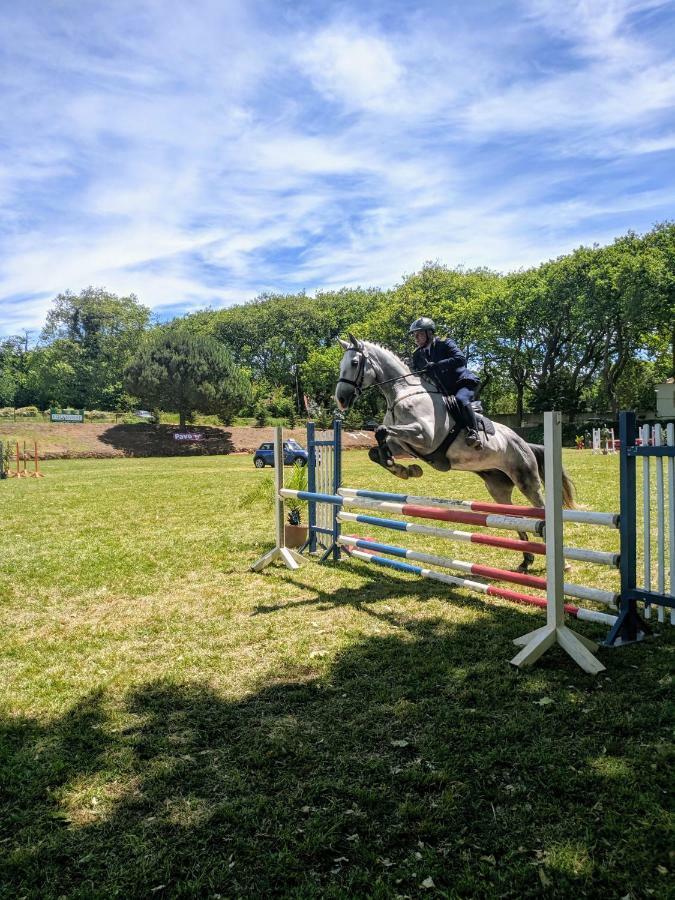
column 295, row 535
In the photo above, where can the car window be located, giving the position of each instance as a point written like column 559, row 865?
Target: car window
column 265, row 447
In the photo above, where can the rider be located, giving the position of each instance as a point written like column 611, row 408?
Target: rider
column 442, row 359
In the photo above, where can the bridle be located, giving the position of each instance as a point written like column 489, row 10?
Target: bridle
column 357, row 383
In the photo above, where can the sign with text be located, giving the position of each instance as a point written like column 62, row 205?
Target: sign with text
column 188, row 436
column 56, row 416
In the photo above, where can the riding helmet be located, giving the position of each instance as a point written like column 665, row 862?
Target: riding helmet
column 424, row 323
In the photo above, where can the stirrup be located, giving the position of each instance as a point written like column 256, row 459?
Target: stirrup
column 472, row 438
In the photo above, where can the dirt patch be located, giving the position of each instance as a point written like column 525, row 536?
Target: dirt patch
column 103, row 441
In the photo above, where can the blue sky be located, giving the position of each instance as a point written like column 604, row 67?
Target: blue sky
column 200, row 153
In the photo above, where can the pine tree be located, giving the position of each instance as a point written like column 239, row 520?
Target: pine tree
column 178, row 371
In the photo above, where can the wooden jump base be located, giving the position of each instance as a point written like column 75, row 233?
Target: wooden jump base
column 20, row 472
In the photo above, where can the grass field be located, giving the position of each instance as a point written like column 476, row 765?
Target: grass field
column 173, row 725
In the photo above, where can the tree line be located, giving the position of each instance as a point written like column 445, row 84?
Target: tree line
column 591, row 331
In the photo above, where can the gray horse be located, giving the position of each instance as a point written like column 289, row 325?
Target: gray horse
column 417, row 423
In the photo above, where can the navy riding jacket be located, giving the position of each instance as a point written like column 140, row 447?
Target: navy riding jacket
column 451, row 369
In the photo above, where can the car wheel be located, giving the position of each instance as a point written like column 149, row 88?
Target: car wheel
column 259, row 463
column 300, row 461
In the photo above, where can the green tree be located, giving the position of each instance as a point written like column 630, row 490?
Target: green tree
column 7, row 388
column 94, row 334
column 176, row 370
column 274, row 335
column 16, row 361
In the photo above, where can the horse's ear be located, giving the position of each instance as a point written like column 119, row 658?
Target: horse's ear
column 344, row 344
column 354, row 341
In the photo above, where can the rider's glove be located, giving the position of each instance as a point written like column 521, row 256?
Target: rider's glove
column 430, row 367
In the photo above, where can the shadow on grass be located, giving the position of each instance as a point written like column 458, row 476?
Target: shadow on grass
column 410, row 759
column 159, row 440
column 510, row 621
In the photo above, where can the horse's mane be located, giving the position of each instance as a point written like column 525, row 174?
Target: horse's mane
column 387, row 352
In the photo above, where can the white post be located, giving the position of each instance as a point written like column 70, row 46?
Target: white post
column 537, row 642
column 646, row 519
column 670, row 441
column 660, row 524
column 596, row 440
column 289, row 557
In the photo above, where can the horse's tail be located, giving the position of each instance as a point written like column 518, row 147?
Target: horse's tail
column 567, row 483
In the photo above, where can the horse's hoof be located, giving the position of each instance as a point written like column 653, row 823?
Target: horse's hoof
column 415, row 471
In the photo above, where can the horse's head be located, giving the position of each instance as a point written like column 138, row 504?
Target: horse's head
column 356, row 372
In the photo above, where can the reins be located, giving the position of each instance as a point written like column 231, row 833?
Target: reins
column 357, row 382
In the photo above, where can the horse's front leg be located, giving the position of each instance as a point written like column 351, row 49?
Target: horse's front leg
column 388, row 446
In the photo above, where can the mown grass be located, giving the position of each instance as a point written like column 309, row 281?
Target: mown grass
column 173, row 725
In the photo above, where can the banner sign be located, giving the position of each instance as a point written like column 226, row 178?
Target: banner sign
column 188, row 436
column 55, row 416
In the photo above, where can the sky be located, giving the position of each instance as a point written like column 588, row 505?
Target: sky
column 200, row 153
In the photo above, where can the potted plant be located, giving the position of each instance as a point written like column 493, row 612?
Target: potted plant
column 295, row 533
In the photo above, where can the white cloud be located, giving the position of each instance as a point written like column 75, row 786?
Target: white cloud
column 193, row 155
column 358, row 69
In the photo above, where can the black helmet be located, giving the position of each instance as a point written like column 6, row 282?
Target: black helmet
column 424, row 323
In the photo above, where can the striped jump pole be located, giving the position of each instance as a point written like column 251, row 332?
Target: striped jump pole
column 486, row 520
column 580, row 554
column 479, row 587
column 584, row 517
column 534, row 581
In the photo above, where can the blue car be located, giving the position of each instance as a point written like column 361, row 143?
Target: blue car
column 293, row 454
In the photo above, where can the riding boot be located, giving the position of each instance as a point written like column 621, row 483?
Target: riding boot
column 472, row 438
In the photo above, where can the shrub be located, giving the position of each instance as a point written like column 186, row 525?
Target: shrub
column 353, row 420
column 97, row 415
column 324, row 419
column 7, row 412
column 261, row 416
column 28, row 412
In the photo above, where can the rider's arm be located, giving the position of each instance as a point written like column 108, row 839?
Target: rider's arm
column 452, row 356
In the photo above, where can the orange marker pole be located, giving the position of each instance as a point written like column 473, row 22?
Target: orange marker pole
column 17, row 462
column 37, row 473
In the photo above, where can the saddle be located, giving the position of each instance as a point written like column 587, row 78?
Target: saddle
column 455, row 412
